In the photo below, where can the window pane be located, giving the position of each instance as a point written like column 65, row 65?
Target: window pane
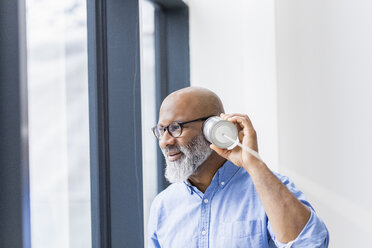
column 58, row 123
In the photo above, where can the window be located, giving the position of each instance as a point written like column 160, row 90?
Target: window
column 58, row 123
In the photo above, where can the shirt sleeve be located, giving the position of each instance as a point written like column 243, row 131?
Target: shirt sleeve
column 314, row 234
column 152, row 239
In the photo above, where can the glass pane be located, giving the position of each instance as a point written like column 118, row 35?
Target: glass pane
column 58, row 123
column 150, row 187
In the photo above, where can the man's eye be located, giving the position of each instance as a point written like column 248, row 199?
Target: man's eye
column 174, row 127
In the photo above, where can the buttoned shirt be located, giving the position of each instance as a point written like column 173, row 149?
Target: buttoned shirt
column 228, row 215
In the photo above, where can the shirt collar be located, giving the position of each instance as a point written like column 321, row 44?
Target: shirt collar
column 189, row 186
column 223, row 175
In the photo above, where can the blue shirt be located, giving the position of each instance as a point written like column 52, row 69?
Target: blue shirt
column 228, row 215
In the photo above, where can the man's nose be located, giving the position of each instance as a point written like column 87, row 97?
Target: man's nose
column 166, row 139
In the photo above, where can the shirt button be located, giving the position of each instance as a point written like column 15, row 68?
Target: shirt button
column 204, row 232
column 205, row 200
column 222, row 183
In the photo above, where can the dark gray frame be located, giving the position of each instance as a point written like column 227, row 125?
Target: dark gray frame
column 115, row 116
column 15, row 230
column 172, row 60
column 115, row 123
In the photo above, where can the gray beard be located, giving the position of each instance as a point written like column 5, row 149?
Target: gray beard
column 194, row 154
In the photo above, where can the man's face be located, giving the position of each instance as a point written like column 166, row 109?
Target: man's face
column 186, row 153
column 183, row 154
column 189, row 158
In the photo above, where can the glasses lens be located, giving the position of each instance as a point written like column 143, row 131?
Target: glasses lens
column 175, row 129
column 156, row 131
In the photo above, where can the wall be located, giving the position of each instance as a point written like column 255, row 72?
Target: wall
column 324, row 106
column 232, row 52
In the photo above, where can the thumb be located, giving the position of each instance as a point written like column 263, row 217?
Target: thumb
column 222, row 152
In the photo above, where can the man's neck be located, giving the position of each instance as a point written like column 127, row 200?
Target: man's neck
column 203, row 176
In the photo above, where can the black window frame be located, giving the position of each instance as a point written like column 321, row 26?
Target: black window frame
column 113, row 54
column 172, row 58
column 15, row 227
column 115, row 123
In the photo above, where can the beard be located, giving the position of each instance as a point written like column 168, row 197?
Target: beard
column 194, row 154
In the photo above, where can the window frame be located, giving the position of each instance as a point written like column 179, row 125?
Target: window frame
column 172, row 59
column 15, row 227
column 115, row 123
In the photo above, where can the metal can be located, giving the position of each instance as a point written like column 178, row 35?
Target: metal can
column 216, row 129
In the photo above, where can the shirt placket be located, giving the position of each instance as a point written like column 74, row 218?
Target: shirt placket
column 205, row 215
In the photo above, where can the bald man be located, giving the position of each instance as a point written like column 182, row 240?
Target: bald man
column 219, row 197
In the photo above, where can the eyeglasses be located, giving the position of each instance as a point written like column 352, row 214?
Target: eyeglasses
column 174, row 129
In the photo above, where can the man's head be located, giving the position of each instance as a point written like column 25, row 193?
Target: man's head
column 184, row 154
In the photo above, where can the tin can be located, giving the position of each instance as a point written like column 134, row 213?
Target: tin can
column 216, row 129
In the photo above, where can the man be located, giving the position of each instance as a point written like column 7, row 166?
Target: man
column 218, row 197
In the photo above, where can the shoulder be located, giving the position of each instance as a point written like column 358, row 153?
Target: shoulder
column 160, row 202
column 169, row 195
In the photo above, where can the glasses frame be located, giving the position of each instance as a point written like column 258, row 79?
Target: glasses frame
column 180, row 124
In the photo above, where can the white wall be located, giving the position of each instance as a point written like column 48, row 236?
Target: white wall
column 232, row 52
column 302, row 71
column 324, row 106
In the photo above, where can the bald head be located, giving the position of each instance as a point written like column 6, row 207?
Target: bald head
column 190, row 103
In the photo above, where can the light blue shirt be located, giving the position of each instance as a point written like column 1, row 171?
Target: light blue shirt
column 228, row 215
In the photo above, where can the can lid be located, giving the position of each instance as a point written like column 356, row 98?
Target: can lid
column 218, row 132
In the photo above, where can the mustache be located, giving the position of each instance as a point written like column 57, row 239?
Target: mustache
column 169, row 149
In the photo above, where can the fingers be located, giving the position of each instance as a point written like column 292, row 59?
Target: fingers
column 228, row 116
column 242, row 120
